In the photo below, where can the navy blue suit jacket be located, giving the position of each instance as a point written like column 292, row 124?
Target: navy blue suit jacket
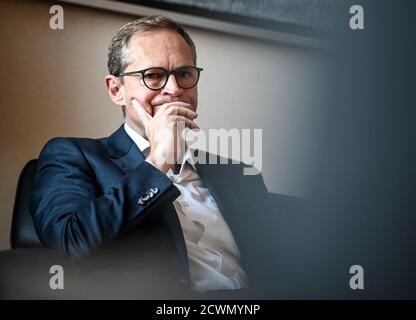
column 86, row 202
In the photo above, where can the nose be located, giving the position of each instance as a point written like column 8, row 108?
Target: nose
column 172, row 86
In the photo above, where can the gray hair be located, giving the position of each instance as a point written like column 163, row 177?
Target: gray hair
column 119, row 54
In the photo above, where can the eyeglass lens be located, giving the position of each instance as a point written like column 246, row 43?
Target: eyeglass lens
column 156, row 78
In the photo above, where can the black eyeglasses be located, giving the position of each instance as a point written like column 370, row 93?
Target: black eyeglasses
column 156, row 78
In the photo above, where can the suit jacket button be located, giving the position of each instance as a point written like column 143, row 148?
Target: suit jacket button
column 148, row 195
column 144, row 199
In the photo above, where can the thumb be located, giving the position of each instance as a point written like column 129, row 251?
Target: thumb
column 144, row 115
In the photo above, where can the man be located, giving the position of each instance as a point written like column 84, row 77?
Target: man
column 123, row 198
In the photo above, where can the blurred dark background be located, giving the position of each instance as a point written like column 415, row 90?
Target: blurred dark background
column 363, row 188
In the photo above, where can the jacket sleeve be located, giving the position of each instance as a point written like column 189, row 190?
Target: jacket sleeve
column 70, row 212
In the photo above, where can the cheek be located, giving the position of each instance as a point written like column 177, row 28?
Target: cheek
column 144, row 98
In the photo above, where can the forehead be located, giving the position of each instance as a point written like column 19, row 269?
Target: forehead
column 163, row 48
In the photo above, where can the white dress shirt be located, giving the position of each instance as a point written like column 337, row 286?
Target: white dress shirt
column 212, row 252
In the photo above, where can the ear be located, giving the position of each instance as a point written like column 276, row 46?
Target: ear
column 115, row 89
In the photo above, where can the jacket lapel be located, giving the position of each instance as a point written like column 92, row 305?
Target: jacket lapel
column 123, row 151
column 126, row 155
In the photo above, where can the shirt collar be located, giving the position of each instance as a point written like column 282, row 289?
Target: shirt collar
column 140, row 142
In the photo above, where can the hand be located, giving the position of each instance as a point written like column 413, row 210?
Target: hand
column 164, row 131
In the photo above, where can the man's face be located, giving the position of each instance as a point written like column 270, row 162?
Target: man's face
column 163, row 48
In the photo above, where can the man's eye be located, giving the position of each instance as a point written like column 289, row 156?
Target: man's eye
column 153, row 76
column 184, row 74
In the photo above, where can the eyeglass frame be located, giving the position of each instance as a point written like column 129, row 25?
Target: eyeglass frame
column 167, row 72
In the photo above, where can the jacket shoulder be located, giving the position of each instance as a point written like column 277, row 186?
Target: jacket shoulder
column 73, row 144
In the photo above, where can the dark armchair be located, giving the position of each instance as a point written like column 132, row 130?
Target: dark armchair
column 23, row 234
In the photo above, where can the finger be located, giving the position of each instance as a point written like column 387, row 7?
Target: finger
column 188, row 122
column 169, row 105
column 143, row 114
column 182, row 111
column 177, row 103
